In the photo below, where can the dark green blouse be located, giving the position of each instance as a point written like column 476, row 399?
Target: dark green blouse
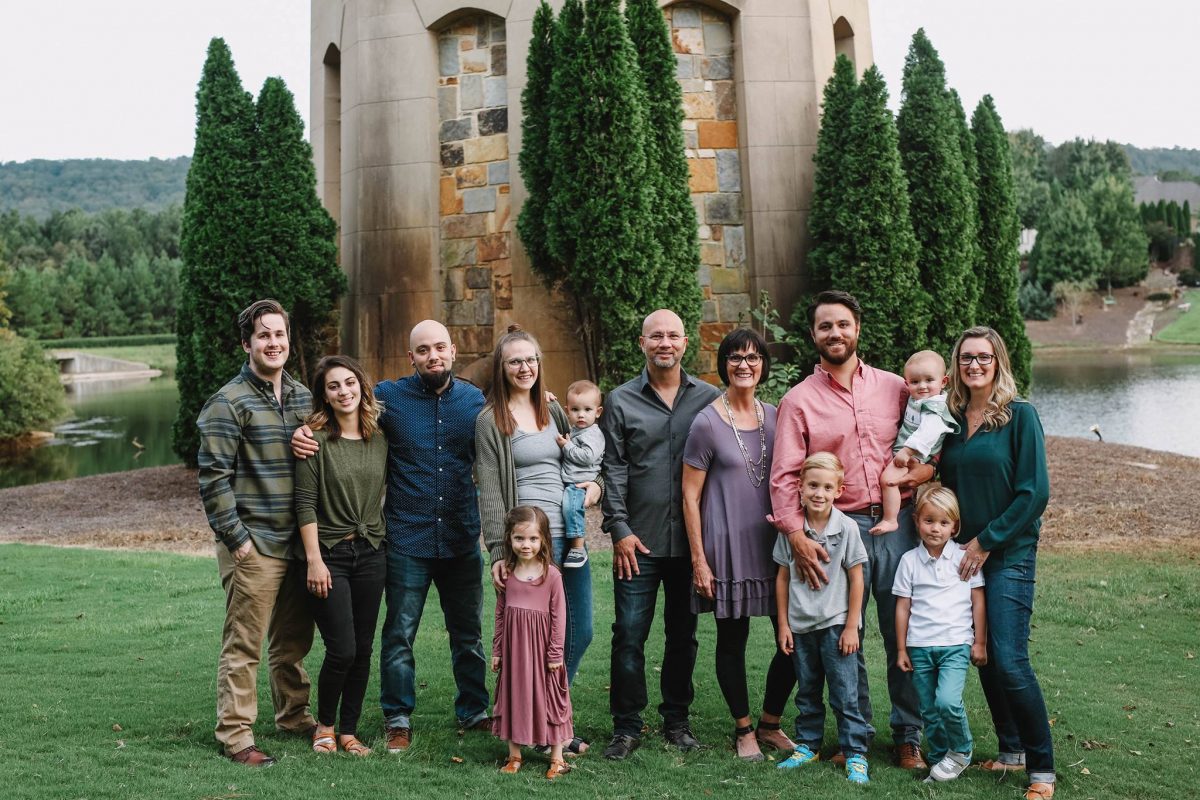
column 341, row 488
column 1002, row 485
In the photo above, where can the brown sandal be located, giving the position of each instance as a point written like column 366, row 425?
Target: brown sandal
column 323, row 741
column 557, row 768
column 353, row 746
column 511, row 765
column 1039, row 791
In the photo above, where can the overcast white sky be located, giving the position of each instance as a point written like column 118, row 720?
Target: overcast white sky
column 117, row 79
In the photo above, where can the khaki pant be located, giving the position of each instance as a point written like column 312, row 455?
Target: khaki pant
column 263, row 597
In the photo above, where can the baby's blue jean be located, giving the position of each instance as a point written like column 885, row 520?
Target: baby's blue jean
column 572, row 511
column 939, row 674
column 818, row 661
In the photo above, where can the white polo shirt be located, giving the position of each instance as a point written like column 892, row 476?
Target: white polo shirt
column 941, row 602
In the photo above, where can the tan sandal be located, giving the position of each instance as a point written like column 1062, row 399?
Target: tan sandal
column 1039, row 791
column 323, row 741
column 353, row 746
column 511, row 766
column 557, row 768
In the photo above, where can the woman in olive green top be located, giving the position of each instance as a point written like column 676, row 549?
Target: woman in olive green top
column 339, row 496
column 997, row 465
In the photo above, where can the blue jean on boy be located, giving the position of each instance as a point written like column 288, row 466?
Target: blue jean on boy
column 939, row 674
column 572, row 511
column 817, row 661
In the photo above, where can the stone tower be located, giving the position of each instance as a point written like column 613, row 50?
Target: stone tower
column 416, row 116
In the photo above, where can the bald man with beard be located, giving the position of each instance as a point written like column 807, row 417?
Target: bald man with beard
column 432, row 519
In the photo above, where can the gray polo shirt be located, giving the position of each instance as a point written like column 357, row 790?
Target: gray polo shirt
column 643, row 462
column 816, row 609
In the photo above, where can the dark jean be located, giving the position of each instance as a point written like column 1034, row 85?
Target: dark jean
column 635, row 601
column 346, row 619
column 574, row 525
column 460, row 590
column 1012, row 691
column 577, row 587
column 879, row 573
column 730, row 657
column 818, row 662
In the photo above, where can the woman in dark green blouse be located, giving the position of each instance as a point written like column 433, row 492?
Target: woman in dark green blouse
column 997, row 465
column 339, row 498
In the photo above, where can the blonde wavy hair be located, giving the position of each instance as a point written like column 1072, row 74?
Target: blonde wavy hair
column 996, row 414
column 940, row 497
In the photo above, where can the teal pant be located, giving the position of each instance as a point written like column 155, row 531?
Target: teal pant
column 939, row 674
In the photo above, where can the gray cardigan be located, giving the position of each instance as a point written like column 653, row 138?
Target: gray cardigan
column 496, row 475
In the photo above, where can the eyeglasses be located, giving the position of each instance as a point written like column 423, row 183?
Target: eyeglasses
column 670, row 337
column 752, row 359
column 517, row 363
column 965, row 359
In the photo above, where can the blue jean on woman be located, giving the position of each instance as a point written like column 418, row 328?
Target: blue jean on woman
column 577, row 586
column 1012, row 691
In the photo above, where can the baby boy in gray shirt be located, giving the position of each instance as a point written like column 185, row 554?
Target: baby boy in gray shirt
column 582, row 453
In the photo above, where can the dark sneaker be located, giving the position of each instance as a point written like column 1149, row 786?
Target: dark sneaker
column 621, row 746
column 252, row 757
column 576, row 557
column 398, row 739
column 484, row 723
column 681, row 736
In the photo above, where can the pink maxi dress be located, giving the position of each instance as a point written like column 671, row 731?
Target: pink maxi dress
column 533, row 704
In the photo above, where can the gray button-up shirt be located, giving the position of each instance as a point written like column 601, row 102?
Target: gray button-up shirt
column 643, row 461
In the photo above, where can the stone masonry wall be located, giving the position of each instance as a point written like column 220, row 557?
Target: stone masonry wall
column 703, row 42
column 476, row 224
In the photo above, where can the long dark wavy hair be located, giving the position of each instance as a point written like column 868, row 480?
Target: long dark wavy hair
column 497, row 399
column 521, row 515
column 322, row 416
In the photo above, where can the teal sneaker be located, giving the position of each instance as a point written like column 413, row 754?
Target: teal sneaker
column 800, row 756
column 856, row 770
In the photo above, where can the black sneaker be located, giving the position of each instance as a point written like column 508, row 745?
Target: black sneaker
column 621, row 746
column 680, row 735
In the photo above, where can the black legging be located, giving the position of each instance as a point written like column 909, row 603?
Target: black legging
column 346, row 619
column 732, row 635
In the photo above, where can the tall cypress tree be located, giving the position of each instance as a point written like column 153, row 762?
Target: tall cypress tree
column 534, row 159
column 940, row 199
column 966, row 144
column 297, row 239
column 221, row 271
column 999, row 235
column 568, row 120
column 1187, row 218
column 672, row 216
column 880, row 258
column 829, row 221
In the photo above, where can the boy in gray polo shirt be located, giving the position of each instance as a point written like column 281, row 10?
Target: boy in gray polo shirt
column 819, row 627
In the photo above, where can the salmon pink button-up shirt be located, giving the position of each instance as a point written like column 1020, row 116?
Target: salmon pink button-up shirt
column 858, row 426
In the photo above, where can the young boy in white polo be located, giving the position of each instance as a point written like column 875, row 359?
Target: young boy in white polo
column 941, row 626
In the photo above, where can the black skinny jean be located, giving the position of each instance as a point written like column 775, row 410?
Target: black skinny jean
column 346, row 619
column 732, row 635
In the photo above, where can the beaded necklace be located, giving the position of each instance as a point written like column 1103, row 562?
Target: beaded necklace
column 756, row 471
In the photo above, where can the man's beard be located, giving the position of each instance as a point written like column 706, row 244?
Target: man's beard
column 850, row 351
column 435, row 380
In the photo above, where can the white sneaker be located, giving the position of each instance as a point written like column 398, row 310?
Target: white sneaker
column 576, row 557
column 949, row 767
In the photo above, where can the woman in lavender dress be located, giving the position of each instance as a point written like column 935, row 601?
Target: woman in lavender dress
column 726, row 499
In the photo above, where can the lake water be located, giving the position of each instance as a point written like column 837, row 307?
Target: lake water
column 1144, row 398
column 98, row 438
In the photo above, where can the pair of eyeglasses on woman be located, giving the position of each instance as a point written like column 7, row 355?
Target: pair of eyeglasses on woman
column 517, row 363
column 753, row 359
column 965, row 359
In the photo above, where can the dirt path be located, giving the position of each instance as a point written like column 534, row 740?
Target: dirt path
column 1104, row 496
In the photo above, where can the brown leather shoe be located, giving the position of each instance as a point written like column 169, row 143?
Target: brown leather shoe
column 398, row 739
column 908, row 756
column 838, row 760
column 484, row 724
column 252, row 757
column 1040, row 791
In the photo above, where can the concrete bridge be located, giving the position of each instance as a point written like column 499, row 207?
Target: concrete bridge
column 75, row 367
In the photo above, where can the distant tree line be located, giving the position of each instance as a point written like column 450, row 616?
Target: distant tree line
column 75, row 274
column 1168, row 225
column 1168, row 163
column 40, row 188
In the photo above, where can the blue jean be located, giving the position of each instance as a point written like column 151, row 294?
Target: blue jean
column 577, row 587
column 635, row 601
column 460, row 591
column 1012, row 691
column 818, row 662
column 939, row 674
column 572, row 511
column 883, row 557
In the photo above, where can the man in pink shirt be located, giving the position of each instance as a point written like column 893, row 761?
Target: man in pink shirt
column 853, row 411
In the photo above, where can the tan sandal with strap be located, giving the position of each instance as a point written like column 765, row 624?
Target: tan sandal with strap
column 511, row 766
column 323, row 741
column 351, row 744
column 557, row 768
column 1039, row 791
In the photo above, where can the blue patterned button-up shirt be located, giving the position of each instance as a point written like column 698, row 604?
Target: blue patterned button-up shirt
column 431, row 509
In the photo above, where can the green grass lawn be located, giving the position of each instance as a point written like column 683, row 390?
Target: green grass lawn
column 108, row 663
column 1186, row 328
